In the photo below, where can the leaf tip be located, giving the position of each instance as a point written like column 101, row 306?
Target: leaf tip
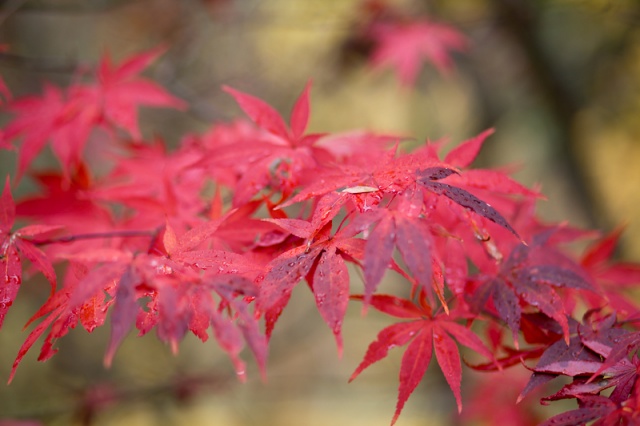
column 338, row 337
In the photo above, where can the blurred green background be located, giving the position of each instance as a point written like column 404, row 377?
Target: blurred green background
column 558, row 79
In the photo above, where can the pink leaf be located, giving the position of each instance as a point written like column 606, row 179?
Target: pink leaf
column 33, row 337
column 260, row 112
column 123, row 315
column 297, row 227
column 394, row 306
column 39, row 260
column 300, row 113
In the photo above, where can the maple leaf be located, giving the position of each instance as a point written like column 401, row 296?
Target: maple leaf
column 267, row 118
column 425, row 333
column 522, row 281
column 12, row 246
column 280, row 156
column 321, row 260
column 119, row 91
column 591, row 407
column 67, row 118
column 499, row 409
column 61, row 318
column 429, row 178
column 155, row 183
column 612, row 277
column 597, row 338
column 394, row 174
column 53, row 116
column 405, row 45
column 405, row 229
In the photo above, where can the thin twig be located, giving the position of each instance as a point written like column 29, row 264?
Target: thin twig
column 111, row 234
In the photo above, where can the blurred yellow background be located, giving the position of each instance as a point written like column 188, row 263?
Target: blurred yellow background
column 558, row 79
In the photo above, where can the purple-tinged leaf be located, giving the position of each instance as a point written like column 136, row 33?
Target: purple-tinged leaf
column 536, row 380
column 256, row 341
column 623, row 377
column 592, row 407
column 331, row 290
column 377, row 254
column 545, row 299
column 123, row 315
column 284, row 272
column 468, row 201
column 622, row 348
column 414, row 243
column 94, row 282
column 600, row 336
column 230, row 340
column 570, row 360
column 556, row 276
column 435, row 173
column 508, row 306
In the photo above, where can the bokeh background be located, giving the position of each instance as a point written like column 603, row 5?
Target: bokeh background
column 558, row 79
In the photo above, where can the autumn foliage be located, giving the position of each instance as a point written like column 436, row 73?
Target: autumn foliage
column 212, row 237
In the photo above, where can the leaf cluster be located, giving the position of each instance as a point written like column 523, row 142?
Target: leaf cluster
column 212, row 238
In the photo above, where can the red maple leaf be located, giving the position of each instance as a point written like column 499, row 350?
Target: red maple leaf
column 320, row 259
column 66, row 118
column 406, row 45
column 53, row 116
column 279, row 157
column 119, row 91
column 612, row 277
column 524, row 281
column 425, row 333
column 13, row 246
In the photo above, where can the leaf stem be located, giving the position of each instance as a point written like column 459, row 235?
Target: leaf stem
column 95, row 235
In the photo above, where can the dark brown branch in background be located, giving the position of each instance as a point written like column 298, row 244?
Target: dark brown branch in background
column 519, row 19
column 71, row 6
column 40, row 65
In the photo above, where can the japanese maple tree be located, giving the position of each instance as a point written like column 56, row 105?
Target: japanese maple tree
column 212, row 237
